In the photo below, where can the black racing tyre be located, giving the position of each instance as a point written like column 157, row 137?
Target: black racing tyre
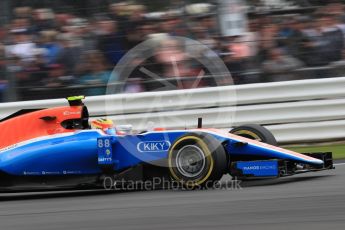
column 255, row 132
column 197, row 160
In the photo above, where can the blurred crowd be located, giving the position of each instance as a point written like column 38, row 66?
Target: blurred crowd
column 41, row 48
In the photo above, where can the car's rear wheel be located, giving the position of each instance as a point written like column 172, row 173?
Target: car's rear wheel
column 197, row 160
column 255, row 132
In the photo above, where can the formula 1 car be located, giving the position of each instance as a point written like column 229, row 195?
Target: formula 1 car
column 56, row 148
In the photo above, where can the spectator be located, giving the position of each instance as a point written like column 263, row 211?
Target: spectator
column 341, row 24
column 268, row 40
column 22, row 12
column 279, row 66
column 61, row 20
column 50, row 45
column 37, row 69
column 252, row 38
column 176, row 64
column 97, row 75
column 70, row 53
column 237, row 58
column 43, row 19
column 55, row 76
column 82, row 34
column 117, row 13
column 110, row 42
column 22, row 47
column 135, row 21
column 209, row 22
column 333, row 38
column 201, row 35
column 312, row 44
column 290, row 36
column 3, row 80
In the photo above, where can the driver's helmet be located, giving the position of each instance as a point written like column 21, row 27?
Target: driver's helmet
column 102, row 123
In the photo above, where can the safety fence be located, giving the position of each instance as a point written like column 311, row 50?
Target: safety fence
column 295, row 111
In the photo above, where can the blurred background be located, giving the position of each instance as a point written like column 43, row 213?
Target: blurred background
column 56, row 48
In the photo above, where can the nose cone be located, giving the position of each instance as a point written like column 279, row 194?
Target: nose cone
column 255, row 148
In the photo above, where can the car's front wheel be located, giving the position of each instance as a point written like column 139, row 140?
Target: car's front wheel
column 197, row 160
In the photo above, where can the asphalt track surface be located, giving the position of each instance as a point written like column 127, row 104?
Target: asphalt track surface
column 308, row 201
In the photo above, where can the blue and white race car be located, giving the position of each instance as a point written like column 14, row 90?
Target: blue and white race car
column 56, row 148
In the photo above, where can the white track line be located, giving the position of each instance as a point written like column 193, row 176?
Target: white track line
column 339, row 164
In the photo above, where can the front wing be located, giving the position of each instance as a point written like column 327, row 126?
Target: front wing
column 278, row 168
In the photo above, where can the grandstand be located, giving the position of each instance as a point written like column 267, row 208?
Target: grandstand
column 51, row 49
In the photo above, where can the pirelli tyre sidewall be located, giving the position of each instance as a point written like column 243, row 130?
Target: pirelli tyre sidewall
column 255, row 132
column 208, row 158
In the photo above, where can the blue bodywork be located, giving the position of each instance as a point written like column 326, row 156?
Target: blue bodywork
column 86, row 152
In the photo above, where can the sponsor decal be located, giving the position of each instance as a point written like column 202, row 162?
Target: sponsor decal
column 26, row 173
column 68, row 172
column 51, row 173
column 105, row 159
column 104, row 151
column 153, row 146
column 68, row 113
column 259, row 167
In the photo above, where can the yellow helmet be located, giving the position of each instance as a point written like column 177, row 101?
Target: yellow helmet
column 102, row 123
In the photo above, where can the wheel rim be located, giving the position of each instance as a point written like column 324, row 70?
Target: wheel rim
column 190, row 161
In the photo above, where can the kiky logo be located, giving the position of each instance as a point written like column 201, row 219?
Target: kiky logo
column 153, row 146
